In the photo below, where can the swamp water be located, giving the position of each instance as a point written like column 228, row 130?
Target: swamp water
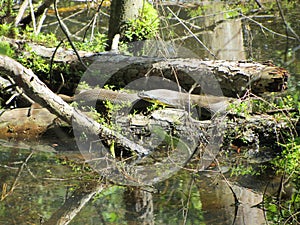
column 35, row 184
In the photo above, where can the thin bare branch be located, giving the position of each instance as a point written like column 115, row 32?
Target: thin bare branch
column 189, row 30
column 17, row 178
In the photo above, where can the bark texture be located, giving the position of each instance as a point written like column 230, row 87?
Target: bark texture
column 234, row 78
column 121, row 12
column 39, row 92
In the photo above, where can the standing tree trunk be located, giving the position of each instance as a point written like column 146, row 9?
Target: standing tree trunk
column 121, row 12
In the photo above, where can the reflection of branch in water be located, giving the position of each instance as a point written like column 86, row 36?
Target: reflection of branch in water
column 266, row 28
column 236, row 200
column 72, row 206
column 15, row 183
column 186, row 209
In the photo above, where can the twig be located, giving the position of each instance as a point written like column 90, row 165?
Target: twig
column 185, row 215
column 19, row 90
column 265, row 28
column 26, row 20
column 287, row 26
column 259, row 3
column 197, row 39
column 21, row 12
column 14, row 185
column 66, row 18
column 61, row 84
column 93, row 21
column 65, row 31
column 236, row 200
column 41, row 21
column 32, row 17
column 51, row 63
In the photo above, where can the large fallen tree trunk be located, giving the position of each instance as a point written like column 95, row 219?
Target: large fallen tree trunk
column 233, row 77
column 178, row 153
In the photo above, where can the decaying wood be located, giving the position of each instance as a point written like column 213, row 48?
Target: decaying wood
column 233, row 77
column 42, row 95
column 18, row 124
column 39, row 92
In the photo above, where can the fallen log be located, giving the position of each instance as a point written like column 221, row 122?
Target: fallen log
column 233, row 77
column 38, row 92
column 35, row 89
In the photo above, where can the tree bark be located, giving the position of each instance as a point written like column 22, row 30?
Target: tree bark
column 121, row 12
column 234, row 78
column 39, row 92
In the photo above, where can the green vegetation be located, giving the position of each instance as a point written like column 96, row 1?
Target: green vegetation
column 97, row 44
column 283, row 208
column 5, row 49
column 45, row 39
column 288, row 162
column 35, row 62
column 145, row 27
column 8, row 30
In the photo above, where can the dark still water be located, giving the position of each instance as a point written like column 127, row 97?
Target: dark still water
column 37, row 184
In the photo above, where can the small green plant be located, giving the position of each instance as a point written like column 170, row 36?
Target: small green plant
column 48, row 39
column 154, row 106
column 145, row 26
column 8, row 30
column 34, row 62
column 289, row 160
column 83, row 85
column 97, row 44
column 5, row 49
column 241, row 109
column 6, row 10
column 288, row 165
column 196, row 11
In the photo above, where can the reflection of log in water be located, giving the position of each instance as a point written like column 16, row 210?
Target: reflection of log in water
column 218, row 202
column 72, row 206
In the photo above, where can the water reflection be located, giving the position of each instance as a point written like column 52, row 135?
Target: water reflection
column 48, row 190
